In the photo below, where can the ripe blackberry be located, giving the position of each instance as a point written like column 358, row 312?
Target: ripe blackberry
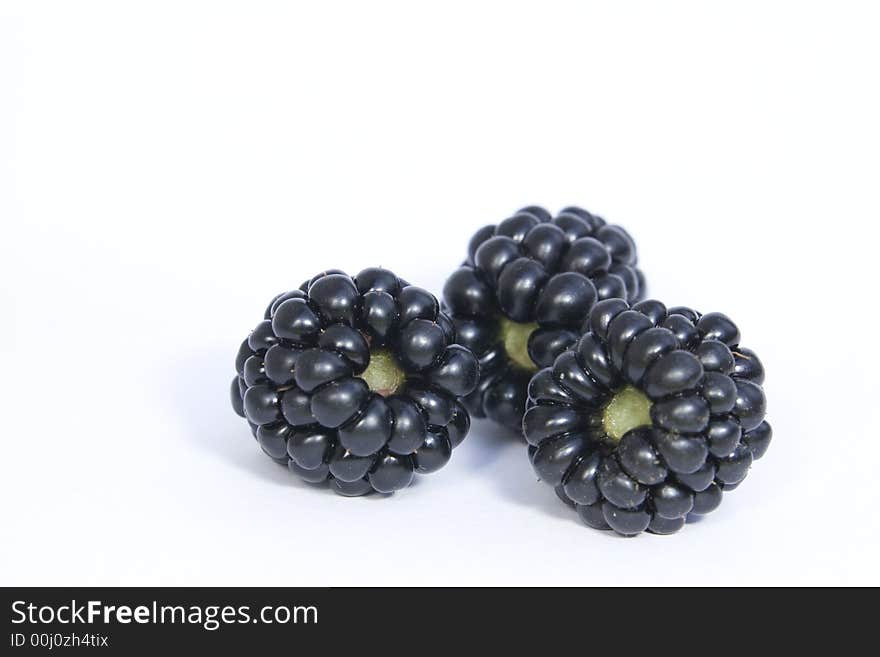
column 355, row 381
column 519, row 299
column 649, row 418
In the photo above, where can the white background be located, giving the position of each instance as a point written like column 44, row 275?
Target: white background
column 166, row 168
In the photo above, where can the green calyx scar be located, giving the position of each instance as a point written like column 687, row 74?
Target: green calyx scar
column 515, row 338
column 383, row 374
column 629, row 408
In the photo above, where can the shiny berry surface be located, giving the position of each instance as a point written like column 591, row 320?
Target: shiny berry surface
column 356, row 382
column 522, row 295
column 649, row 418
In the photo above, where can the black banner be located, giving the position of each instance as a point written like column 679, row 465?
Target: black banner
column 148, row 620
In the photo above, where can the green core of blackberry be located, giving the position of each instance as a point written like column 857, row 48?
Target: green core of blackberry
column 384, row 374
column 515, row 337
column 629, row 408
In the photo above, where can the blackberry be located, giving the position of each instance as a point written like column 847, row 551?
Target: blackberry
column 649, row 418
column 519, row 299
column 355, row 381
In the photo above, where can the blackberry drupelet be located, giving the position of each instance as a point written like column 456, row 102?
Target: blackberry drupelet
column 355, row 381
column 519, row 299
column 649, row 418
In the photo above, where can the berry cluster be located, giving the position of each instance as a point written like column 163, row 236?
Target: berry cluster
column 640, row 416
column 356, row 381
column 649, row 417
column 523, row 293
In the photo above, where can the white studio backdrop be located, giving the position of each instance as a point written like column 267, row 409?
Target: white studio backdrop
column 165, row 169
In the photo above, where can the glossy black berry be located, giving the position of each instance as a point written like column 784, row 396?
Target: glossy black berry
column 523, row 294
column 356, row 381
column 649, row 417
